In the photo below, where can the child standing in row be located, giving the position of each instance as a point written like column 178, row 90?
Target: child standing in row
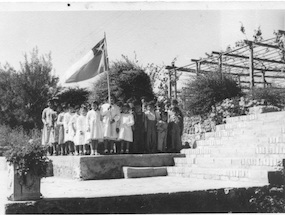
column 79, row 128
column 162, row 133
column 125, row 133
column 150, row 125
column 139, row 129
column 94, row 127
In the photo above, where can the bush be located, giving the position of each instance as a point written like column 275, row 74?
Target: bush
column 15, row 136
column 27, row 156
column 207, row 90
column 268, row 200
column 73, row 96
column 268, row 96
column 127, row 80
column 227, row 108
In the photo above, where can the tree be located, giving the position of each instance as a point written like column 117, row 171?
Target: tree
column 207, row 90
column 73, row 96
column 27, row 90
column 127, row 80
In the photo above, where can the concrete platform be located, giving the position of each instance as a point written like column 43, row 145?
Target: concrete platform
column 141, row 195
column 106, row 166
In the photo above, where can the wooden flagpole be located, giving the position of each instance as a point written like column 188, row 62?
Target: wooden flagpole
column 108, row 78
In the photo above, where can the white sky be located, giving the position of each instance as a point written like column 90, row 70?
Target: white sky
column 157, row 36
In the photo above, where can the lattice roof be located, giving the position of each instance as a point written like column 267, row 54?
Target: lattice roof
column 268, row 62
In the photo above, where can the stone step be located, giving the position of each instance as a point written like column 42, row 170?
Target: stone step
column 227, row 174
column 264, row 131
column 249, row 125
column 278, row 149
column 255, row 163
column 265, row 116
column 142, row 172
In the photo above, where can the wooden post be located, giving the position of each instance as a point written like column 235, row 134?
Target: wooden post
column 251, row 66
column 198, row 65
column 175, row 83
column 220, row 63
column 263, row 79
column 169, row 84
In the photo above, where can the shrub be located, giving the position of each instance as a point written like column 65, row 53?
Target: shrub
column 268, row 200
column 227, row 108
column 27, row 156
column 127, row 80
column 268, row 96
column 207, row 90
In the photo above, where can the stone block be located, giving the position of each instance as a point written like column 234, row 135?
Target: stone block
column 140, row 172
column 107, row 167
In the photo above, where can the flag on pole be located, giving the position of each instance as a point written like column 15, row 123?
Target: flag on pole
column 92, row 64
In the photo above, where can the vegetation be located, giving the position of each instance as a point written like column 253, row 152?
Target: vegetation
column 23, row 94
column 207, row 90
column 127, row 80
column 26, row 153
column 269, row 96
column 72, row 96
column 268, row 199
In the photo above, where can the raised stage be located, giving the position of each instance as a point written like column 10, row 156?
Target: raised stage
column 107, row 166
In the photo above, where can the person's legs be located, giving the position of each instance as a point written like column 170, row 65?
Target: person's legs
column 77, row 149
column 112, row 146
column 54, row 148
column 122, row 147
column 81, row 152
column 106, row 146
column 92, row 144
column 72, row 148
column 127, row 147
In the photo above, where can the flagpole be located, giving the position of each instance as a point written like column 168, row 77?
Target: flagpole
column 108, row 78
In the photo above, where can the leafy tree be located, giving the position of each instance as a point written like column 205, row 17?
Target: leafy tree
column 207, row 90
column 24, row 94
column 127, row 80
column 73, row 96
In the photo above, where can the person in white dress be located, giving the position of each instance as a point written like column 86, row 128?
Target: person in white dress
column 80, row 130
column 94, row 133
column 60, row 129
column 72, row 129
column 126, row 132
column 48, row 126
column 68, row 131
column 111, row 115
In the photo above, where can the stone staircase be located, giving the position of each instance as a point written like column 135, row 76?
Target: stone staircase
column 246, row 148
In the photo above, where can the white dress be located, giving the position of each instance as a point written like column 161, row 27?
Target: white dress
column 95, row 124
column 80, row 125
column 47, row 118
column 109, row 129
column 71, row 125
column 126, row 123
column 66, row 119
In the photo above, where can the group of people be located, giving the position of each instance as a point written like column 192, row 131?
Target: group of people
column 131, row 127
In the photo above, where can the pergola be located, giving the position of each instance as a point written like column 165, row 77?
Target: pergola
column 253, row 63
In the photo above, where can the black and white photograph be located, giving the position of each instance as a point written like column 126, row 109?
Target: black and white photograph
column 142, row 107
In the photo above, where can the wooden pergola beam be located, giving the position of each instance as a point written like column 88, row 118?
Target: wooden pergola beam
column 237, row 66
column 248, row 82
column 261, row 44
column 181, row 69
column 246, row 57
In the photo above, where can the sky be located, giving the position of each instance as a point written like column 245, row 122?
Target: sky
column 152, row 34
